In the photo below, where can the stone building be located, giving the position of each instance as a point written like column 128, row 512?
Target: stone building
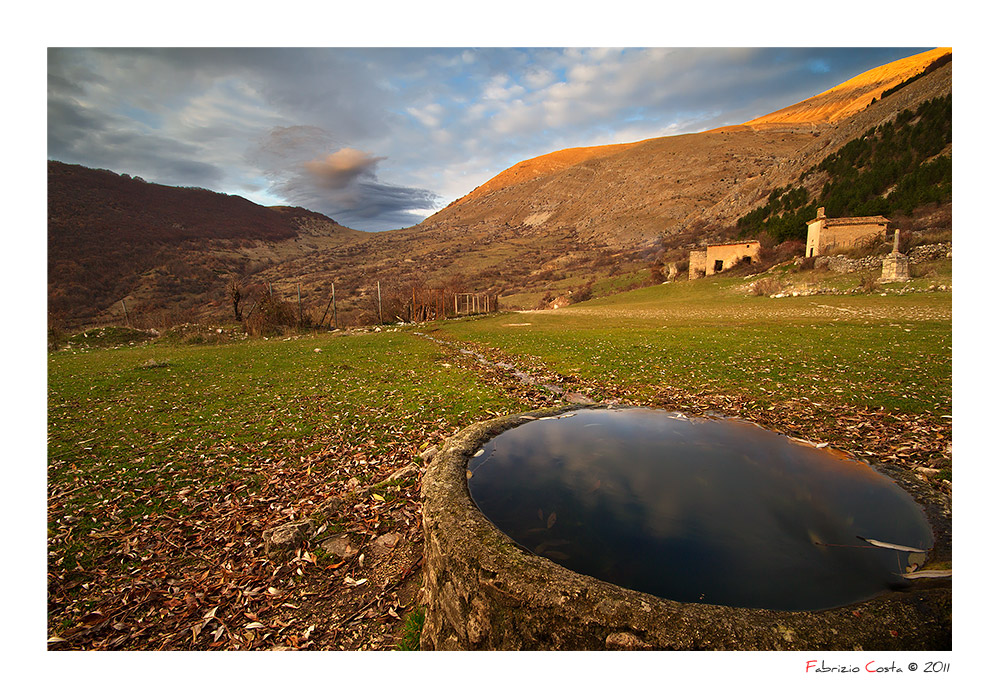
column 827, row 234
column 720, row 257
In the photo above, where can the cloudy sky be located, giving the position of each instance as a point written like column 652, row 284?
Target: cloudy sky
column 380, row 138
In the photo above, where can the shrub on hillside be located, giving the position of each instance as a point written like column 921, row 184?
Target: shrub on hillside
column 789, row 249
column 57, row 337
column 269, row 317
column 905, row 242
column 584, row 293
column 765, row 287
column 868, row 282
column 892, row 170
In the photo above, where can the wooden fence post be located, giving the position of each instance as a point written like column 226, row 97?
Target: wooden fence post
column 328, row 303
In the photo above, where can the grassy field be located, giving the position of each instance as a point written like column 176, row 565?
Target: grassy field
column 870, row 351
column 168, row 461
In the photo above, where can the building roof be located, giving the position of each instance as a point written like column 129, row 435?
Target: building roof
column 850, row 220
column 733, row 242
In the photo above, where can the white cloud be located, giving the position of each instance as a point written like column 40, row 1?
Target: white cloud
column 500, row 89
column 537, row 78
column 429, row 115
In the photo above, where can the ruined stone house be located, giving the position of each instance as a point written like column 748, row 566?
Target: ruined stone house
column 827, row 234
column 720, row 257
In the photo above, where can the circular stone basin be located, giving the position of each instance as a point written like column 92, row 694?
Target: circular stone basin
column 713, row 511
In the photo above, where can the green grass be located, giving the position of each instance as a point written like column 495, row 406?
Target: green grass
column 128, row 437
column 620, row 282
column 104, row 337
column 873, row 351
column 247, row 392
column 412, row 627
column 142, row 415
column 531, row 296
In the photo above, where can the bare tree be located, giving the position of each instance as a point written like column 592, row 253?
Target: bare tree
column 234, row 294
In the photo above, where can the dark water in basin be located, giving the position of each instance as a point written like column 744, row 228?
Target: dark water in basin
column 716, row 511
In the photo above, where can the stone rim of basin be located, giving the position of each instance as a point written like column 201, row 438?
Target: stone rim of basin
column 483, row 591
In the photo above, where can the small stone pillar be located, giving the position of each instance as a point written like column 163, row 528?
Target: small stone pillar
column 896, row 265
column 696, row 263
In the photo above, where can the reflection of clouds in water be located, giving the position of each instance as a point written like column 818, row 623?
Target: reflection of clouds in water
column 726, row 507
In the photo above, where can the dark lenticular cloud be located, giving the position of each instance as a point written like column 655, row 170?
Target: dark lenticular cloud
column 339, row 170
column 341, row 183
column 344, row 187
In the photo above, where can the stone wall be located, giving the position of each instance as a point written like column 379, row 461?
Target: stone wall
column 728, row 254
column 484, row 592
column 923, row 253
column 841, row 264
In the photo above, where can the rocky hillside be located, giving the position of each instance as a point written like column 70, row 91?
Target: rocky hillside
column 557, row 222
column 831, row 106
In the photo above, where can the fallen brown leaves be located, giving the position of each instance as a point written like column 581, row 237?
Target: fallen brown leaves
column 904, row 439
column 193, row 574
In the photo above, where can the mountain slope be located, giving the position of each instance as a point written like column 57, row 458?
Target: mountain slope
column 634, row 194
column 833, row 105
column 849, row 98
column 556, row 231
column 578, row 214
column 113, row 237
column 542, row 165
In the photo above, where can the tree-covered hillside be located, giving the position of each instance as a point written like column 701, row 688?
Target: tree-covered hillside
column 889, row 171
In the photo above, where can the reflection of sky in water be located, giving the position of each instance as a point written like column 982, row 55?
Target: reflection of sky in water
column 712, row 510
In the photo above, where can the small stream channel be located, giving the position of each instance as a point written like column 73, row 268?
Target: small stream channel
column 522, row 376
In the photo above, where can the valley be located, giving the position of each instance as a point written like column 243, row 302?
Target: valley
column 545, row 228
